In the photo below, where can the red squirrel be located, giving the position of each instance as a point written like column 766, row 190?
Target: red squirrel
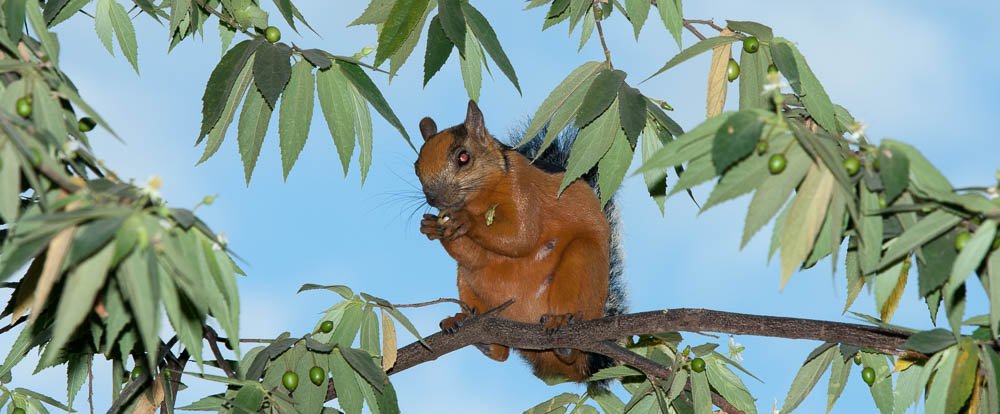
column 515, row 237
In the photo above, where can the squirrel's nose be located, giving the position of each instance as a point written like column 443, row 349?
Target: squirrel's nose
column 432, row 200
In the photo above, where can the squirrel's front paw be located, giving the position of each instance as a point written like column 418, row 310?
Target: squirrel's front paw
column 453, row 223
column 553, row 323
column 429, row 227
column 451, row 324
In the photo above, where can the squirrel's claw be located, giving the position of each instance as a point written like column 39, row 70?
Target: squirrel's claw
column 430, row 228
column 450, row 325
column 553, row 323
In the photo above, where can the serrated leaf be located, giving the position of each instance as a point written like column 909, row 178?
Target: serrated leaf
column 908, row 388
column 753, row 28
column 993, row 270
column 870, row 231
column 140, row 288
column 805, row 216
column 930, row 227
column 729, row 386
column 218, row 133
column 806, row 379
column 672, row 15
column 125, row 33
column 488, row 38
column 590, row 145
column 889, row 285
column 695, row 50
column 638, row 11
column 295, row 115
column 452, row 20
column 839, row 373
column 76, row 302
column 48, row 114
column 362, row 363
column 76, row 374
column 363, row 127
column 972, row 255
column 319, row 58
column 772, row 194
column 377, row 12
column 715, row 99
column 401, row 21
column 632, row 112
column 735, row 139
column 805, row 83
column 363, row 84
column 337, row 102
column 656, row 181
column 254, row 120
column 399, row 58
column 753, row 77
column 348, row 392
column 554, row 403
column 881, row 390
column 388, row 342
column 745, row 176
column 963, row 377
column 577, row 80
column 471, row 65
column 701, row 394
column 14, row 13
column 48, row 40
column 612, row 167
column 599, row 96
column 894, row 169
column 222, row 81
column 438, row 49
column 10, row 184
column 693, row 144
column 272, row 70
column 51, row 270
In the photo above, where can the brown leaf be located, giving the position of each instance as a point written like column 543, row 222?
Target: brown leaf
column 51, row 270
column 805, row 217
column 717, row 82
column 892, row 302
column 25, row 291
column 388, row 341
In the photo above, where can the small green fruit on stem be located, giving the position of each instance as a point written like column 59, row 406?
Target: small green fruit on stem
column 290, row 380
column 272, row 34
column 776, row 164
column 732, row 70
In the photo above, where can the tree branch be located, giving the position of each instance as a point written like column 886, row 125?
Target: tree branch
column 600, row 32
column 213, row 342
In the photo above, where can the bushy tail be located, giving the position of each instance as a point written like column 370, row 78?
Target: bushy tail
column 554, row 159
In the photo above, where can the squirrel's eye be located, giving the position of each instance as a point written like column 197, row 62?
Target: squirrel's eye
column 463, row 157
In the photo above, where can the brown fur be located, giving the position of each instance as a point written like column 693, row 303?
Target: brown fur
column 547, row 252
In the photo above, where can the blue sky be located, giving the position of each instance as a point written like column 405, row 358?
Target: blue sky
column 915, row 71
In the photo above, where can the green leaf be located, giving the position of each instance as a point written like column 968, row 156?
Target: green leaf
column 76, row 374
column 488, row 38
column 452, row 21
column 729, row 386
column 806, row 84
column 599, row 97
column 218, row 133
column 925, row 230
column 295, row 115
column 287, row 10
column 972, row 255
column 735, row 139
column 402, row 20
column 924, row 177
column 672, row 15
column 337, row 102
column 14, row 13
column 125, row 33
column 753, row 77
column 348, row 325
column 590, row 145
column 548, row 406
column 272, row 70
column 76, row 301
column 370, row 92
column 137, row 275
column 222, row 81
column 871, row 233
column 254, row 120
column 363, row 127
column 693, row 144
column 908, row 388
column 377, row 12
column 472, row 67
column 894, row 169
column 963, row 377
column 807, row 377
column 399, row 58
column 438, row 49
column 638, row 11
column 889, row 285
column 10, row 183
column 612, row 167
column 90, row 237
column 701, row 394
column 319, row 58
column 344, row 291
column 43, row 398
column 577, row 80
column 632, row 112
column 753, row 28
column 839, row 374
column 805, row 216
column 993, row 270
column 752, row 173
column 48, row 40
column 362, row 363
column 656, row 181
column 48, row 114
column 226, row 35
column 186, row 321
column 695, row 50
column 348, row 392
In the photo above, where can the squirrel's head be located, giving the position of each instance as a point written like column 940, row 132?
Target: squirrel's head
column 456, row 164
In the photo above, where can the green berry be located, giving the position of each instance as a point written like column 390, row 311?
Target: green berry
column 208, row 200
column 317, row 375
column 875, row 165
column 272, row 34
column 698, row 365
column 24, row 107
column 776, row 164
column 732, row 70
column 761, row 147
column 857, row 359
column 751, row 44
column 962, row 240
column 852, row 165
column 136, row 372
column 326, row 327
column 86, row 124
column 772, row 69
column 290, row 380
column 17, row 410
column 882, row 203
column 868, row 374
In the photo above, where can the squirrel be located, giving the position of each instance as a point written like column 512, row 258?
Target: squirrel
column 558, row 257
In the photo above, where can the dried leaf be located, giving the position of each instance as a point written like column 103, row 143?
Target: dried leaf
column 58, row 248
column 716, row 98
column 805, row 217
column 388, row 341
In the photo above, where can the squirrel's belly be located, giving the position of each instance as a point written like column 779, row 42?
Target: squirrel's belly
column 523, row 280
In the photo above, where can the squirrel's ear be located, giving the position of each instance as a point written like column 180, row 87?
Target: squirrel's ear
column 474, row 123
column 428, row 128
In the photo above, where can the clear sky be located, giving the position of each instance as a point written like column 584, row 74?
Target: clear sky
column 922, row 72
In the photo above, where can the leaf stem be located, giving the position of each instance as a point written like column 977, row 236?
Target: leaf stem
column 600, row 33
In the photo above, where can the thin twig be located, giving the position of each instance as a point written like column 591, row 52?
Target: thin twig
column 212, row 338
column 225, row 19
column 19, row 321
column 600, row 33
column 692, row 29
column 429, row 303
column 90, row 382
